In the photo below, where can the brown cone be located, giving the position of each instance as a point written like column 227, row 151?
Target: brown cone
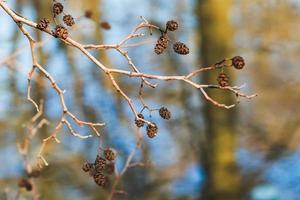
column 101, row 179
column 161, row 44
column 61, row 32
column 152, row 130
column 138, row 122
column 238, row 62
column 172, row 25
column 43, row 24
column 223, row 79
column 68, row 20
column 164, row 113
column 57, row 8
column 181, row 48
column 109, row 154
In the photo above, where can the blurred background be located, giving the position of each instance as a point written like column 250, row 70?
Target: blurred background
column 203, row 152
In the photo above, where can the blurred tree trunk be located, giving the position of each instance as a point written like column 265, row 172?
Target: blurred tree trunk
column 218, row 150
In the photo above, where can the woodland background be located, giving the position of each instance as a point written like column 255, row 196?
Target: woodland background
column 204, row 152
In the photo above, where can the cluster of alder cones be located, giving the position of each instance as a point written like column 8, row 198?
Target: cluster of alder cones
column 102, row 167
column 238, row 63
column 163, row 41
column 152, row 128
column 60, row 30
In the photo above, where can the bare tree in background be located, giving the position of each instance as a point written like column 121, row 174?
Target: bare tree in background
column 219, row 146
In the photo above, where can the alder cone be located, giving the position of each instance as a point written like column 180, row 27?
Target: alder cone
column 57, row 8
column 161, row 44
column 238, row 62
column 138, row 122
column 164, row 113
column 100, row 163
column 100, row 179
column 43, row 24
column 109, row 154
column 223, row 79
column 68, row 20
column 61, row 32
column 172, row 25
column 87, row 166
column 152, row 130
column 181, row 48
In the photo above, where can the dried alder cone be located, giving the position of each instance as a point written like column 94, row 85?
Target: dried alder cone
column 68, row 20
column 109, row 154
column 138, row 122
column 238, row 62
column 152, row 130
column 223, row 79
column 172, row 25
column 43, row 24
column 165, row 113
column 161, row 44
column 100, row 163
column 181, row 48
column 86, row 167
column 61, row 32
column 57, row 8
column 100, row 179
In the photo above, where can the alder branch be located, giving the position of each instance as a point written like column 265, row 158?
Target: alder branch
column 60, row 92
column 134, row 72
